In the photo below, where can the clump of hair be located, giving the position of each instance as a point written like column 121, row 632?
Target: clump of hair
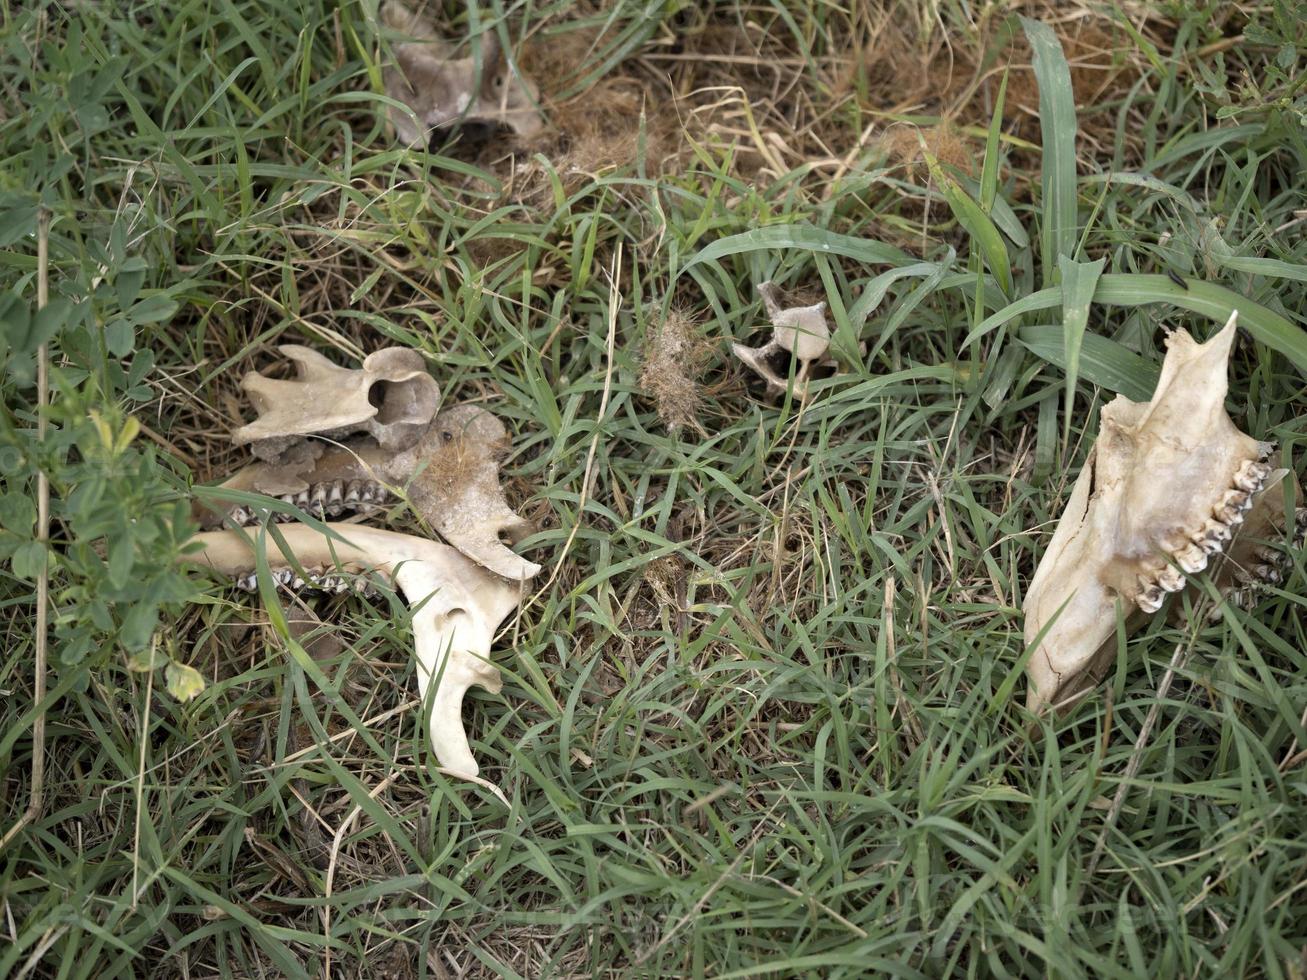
column 674, row 359
column 909, row 147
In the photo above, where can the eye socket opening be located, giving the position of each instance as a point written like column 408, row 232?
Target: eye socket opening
column 396, row 401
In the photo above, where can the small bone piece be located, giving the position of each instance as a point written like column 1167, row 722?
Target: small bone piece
column 392, row 398
column 444, row 92
column 457, row 607
column 1167, row 486
column 800, row 333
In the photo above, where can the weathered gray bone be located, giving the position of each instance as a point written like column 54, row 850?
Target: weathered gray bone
column 443, row 91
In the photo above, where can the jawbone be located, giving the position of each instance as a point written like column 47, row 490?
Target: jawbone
column 1167, row 489
column 457, row 607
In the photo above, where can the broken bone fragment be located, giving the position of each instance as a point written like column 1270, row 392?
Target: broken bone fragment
column 457, row 606
column 443, row 91
column 1167, row 489
column 391, row 397
column 800, row 335
column 449, row 473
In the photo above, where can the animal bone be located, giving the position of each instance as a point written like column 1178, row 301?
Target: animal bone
column 800, row 333
column 450, row 475
column 1165, row 490
column 1258, row 558
column 392, row 398
column 444, row 91
column 457, row 607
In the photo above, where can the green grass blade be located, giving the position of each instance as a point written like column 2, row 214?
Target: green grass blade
column 1057, row 124
column 1101, row 361
column 984, row 234
column 1079, row 279
column 1137, row 289
column 805, row 237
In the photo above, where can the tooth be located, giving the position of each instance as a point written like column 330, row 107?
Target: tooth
column 1251, row 476
column 352, row 491
column 1171, row 579
column 1213, row 537
column 320, row 497
column 1267, row 573
column 335, row 497
column 296, row 583
column 1268, row 554
column 1233, row 506
column 282, row 575
column 288, row 498
column 1235, row 498
column 1192, row 559
column 1150, row 599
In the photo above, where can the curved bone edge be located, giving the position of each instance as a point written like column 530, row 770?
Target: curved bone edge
column 453, row 483
column 756, row 359
column 444, row 91
column 326, row 399
column 1056, row 678
column 456, row 609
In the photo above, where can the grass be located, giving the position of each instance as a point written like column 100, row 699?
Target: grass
column 764, row 717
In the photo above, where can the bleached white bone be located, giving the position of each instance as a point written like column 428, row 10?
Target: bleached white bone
column 1168, row 487
column 457, row 607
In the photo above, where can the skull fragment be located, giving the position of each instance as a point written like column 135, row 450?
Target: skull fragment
column 447, row 466
column 392, row 398
column 443, row 91
column 1170, row 488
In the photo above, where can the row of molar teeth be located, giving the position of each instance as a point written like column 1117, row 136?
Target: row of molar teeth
column 324, row 499
column 287, row 578
column 1211, row 538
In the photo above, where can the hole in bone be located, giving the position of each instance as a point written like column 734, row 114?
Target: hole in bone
column 467, row 140
column 779, row 360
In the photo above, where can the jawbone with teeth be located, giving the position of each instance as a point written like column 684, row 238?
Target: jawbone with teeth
column 335, row 440
column 457, row 606
column 1165, row 491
